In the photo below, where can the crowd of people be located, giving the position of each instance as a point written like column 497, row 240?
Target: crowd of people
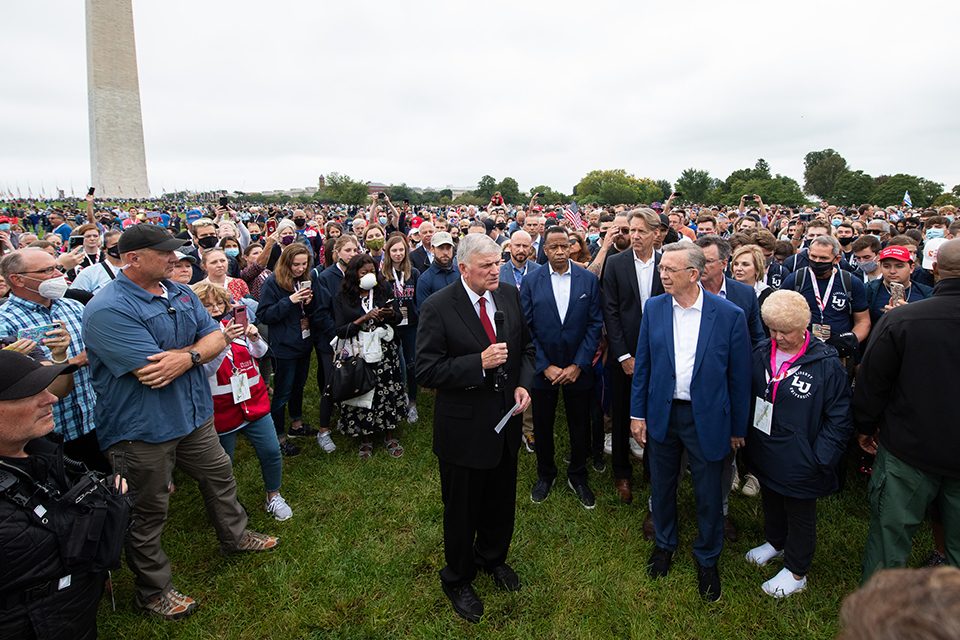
column 766, row 349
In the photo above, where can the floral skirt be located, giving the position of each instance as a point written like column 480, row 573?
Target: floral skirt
column 389, row 399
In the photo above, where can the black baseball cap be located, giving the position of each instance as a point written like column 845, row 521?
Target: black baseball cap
column 22, row 377
column 148, row 236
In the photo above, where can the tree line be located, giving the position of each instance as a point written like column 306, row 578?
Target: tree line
column 826, row 176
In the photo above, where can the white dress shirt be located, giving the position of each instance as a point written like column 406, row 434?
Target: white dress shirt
column 686, row 334
column 644, row 276
column 560, row 282
column 490, row 305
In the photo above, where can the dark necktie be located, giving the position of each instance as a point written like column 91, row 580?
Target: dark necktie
column 485, row 321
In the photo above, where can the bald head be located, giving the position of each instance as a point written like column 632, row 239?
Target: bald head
column 948, row 260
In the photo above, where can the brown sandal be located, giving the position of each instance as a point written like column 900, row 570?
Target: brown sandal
column 366, row 450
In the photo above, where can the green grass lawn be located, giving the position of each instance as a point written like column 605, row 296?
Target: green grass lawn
column 360, row 559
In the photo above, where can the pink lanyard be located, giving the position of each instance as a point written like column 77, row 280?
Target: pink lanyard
column 785, row 367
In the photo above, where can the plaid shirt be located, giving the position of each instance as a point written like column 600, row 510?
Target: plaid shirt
column 72, row 415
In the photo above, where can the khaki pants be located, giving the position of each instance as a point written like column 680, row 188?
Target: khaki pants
column 148, row 468
column 528, row 420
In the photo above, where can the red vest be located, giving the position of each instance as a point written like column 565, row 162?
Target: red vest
column 228, row 415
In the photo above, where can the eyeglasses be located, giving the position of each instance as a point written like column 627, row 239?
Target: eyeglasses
column 671, row 270
column 48, row 271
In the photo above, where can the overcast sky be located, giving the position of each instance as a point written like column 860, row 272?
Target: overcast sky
column 265, row 95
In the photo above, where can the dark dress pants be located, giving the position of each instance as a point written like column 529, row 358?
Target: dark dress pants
column 577, row 405
column 478, row 515
column 620, row 422
column 324, row 374
column 665, row 472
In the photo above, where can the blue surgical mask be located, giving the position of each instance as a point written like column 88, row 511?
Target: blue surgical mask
column 383, row 220
column 232, row 252
column 4, row 226
column 593, row 237
column 836, row 222
column 933, row 234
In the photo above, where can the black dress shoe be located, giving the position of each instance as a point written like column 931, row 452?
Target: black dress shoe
column 583, row 493
column 505, row 577
column 465, row 601
column 541, row 490
column 658, row 566
column 708, row 583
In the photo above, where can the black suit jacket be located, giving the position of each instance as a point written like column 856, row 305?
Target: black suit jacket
column 622, row 310
column 450, row 339
column 419, row 259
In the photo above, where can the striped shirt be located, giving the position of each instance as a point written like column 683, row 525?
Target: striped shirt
column 72, row 415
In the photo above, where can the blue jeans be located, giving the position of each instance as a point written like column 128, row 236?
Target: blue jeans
column 407, row 340
column 289, row 377
column 665, row 472
column 261, row 435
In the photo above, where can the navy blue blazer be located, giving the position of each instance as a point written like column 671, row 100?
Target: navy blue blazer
column 575, row 340
column 746, row 298
column 720, row 386
column 506, row 272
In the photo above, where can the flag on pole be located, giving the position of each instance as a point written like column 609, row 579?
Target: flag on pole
column 572, row 214
column 906, row 199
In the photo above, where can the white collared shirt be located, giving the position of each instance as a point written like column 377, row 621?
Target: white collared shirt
column 560, row 282
column 490, row 306
column 686, row 334
column 644, row 276
column 723, row 288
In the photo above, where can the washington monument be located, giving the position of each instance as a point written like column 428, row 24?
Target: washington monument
column 117, row 159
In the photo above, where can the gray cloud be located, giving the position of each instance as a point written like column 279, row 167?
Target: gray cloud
column 253, row 96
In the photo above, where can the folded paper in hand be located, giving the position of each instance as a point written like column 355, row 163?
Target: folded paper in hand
column 506, row 418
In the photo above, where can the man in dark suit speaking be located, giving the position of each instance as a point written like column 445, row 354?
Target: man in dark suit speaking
column 691, row 390
column 474, row 348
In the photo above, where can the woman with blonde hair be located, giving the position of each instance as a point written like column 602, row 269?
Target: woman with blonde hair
column 749, row 266
column 801, row 426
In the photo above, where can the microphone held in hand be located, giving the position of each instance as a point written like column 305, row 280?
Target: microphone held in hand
column 501, row 379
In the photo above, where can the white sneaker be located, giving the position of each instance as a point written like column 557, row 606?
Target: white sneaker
column 784, row 584
column 751, row 486
column 412, row 415
column 279, row 509
column 735, row 481
column 635, row 447
column 326, row 442
column 763, row 554
column 608, row 444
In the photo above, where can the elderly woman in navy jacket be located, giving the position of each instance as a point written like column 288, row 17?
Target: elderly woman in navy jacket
column 801, row 427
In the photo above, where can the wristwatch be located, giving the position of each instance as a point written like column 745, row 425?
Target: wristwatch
column 194, row 357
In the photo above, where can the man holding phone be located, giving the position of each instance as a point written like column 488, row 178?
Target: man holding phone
column 36, row 300
column 894, row 288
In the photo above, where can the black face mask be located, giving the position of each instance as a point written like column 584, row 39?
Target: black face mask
column 254, row 237
column 207, row 242
column 845, row 242
column 114, row 252
column 821, row 269
column 219, row 318
column 501, row 225
column 299, row 222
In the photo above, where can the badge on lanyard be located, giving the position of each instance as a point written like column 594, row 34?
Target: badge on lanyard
column 763, row 416
column 240, row 387
column 304, row 328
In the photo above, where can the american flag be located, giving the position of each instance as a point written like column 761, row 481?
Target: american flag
column 572, row 214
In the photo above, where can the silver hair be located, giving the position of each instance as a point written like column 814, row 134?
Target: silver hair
column 827, row 241
column 14, row 262
column 884, row 225
column 475, row 243
column 650, row 218
column 695, row 258
column 713, row 240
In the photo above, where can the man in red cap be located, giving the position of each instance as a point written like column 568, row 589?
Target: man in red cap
column 896, row 266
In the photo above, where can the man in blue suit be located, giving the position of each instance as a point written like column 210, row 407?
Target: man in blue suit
column 561, row 304
column 691, row 391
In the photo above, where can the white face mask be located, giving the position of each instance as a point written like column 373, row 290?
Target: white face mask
column 368, row 281
column 54, row 288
